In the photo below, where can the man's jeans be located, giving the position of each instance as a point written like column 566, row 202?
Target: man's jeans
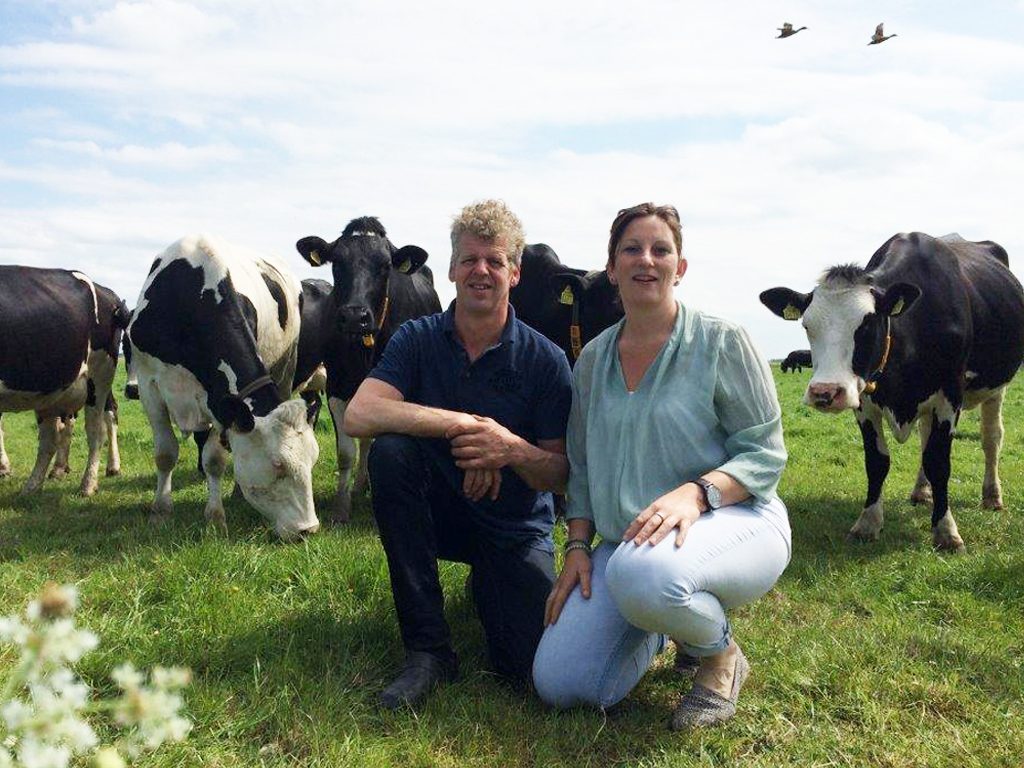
column 421, row 519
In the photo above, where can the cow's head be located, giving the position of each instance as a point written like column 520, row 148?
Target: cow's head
column 847, row 319
column 362, row 260
column 274, row 457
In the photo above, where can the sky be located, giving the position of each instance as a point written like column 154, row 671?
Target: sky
column 127, row 125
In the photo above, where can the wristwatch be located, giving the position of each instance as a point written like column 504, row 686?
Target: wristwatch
column 712, row 496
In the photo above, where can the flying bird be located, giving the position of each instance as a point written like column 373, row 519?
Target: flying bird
column 880, row 36
column 786, row 30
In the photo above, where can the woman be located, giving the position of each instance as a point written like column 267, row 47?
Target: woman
column 675, row 451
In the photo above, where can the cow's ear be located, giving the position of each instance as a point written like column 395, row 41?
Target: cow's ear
column 408, row 258
column 897, row 299
column 237, row 414
column 786, row 303
column 314, row 250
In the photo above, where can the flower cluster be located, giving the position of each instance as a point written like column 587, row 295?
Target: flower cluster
column 44, row 706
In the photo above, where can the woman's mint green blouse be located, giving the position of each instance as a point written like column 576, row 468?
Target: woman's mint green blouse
column 707, row 402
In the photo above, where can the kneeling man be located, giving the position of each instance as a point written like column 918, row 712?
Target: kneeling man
column 469, row 410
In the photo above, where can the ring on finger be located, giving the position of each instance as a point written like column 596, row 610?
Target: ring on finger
column 661, row 518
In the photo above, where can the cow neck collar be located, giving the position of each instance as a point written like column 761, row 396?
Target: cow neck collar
column 369, row 340
column 262, row 391
column 872, row 383
column 575, row 337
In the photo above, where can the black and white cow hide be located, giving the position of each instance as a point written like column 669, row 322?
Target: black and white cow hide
column 931, row 326
column 377, row 287
column 215, row 342
column 58, row 354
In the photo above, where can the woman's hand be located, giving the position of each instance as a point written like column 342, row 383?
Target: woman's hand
column 677, row 509
column 575, row 571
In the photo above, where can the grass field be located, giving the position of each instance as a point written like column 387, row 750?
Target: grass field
column 882, row 654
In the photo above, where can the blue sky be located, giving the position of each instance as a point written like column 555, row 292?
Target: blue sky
column 125, row 125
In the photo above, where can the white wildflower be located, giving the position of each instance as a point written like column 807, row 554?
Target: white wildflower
column 171, row 678
column 12, row 630
column 6, row 761
column 34, row 754
column 106, row 757
column 15, row 714
column 126, row 676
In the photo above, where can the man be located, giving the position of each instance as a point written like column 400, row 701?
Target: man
column 469, row 410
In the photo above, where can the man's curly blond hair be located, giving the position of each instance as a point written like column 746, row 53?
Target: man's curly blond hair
column 489, row 220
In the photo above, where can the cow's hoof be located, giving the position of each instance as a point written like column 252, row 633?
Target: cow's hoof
column 215, row 519
column 160, row 510
column 30, row 487
column 862, row 533
column 58, row 473
column 921, row 496
column 341, row 510
column 992, row 503
column 5, row 471
column 113, row 471
column 946, row 543
column 88, row 488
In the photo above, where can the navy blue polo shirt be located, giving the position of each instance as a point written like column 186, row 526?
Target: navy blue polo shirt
column 523, row 382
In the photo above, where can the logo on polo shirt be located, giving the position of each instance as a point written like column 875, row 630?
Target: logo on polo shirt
column 506, row 380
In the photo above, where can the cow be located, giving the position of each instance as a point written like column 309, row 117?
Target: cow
column 569, row 306
column 310, row 377
column 58, row 354
column 214, row 337
column 931, row 326
column 796, row 360
column 65, row 429
column 377, row 287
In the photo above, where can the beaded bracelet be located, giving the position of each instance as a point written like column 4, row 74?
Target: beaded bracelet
column 572, row 544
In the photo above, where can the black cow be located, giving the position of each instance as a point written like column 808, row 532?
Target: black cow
column 569, row 306
column 796, row 360
column 215, row 343
column 931, row 326
column 58, row 354
column 377, row 287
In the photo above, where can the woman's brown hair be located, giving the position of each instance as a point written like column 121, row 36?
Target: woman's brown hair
column 666, row 213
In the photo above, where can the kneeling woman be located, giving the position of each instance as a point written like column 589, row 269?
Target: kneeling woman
column 675, row 451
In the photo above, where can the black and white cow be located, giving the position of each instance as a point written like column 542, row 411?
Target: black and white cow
column 796, row 360
column 58, row 354
column 377, row 287
column 215, row 343
column 930, row 327
column 569, row 306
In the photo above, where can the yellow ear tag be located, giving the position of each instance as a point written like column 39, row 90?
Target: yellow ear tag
column 368, row 341
column 897, row 308
column 567, row 296
column 791, row 313
column 406, row 266
column 314, row 258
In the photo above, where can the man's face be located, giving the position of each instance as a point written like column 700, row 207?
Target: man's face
column 482, row 274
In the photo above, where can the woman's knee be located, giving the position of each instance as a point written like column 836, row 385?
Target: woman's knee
column 557, row 678
column 646, row 587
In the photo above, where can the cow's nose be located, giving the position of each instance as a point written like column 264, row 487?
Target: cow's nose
column 355, row 318
column 314, row 528
column 131, row 391
column 826, row 395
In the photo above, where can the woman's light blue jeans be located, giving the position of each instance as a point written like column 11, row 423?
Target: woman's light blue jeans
column 600, row 647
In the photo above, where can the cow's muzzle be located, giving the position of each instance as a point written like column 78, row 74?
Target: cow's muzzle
column 131, row 391
column 355, row 319
column 826, row 397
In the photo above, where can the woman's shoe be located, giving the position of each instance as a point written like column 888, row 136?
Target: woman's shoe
column 702, row 707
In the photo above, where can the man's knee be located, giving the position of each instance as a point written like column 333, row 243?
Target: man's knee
column 392, row 454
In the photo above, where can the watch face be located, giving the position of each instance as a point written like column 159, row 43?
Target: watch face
column 714, row 496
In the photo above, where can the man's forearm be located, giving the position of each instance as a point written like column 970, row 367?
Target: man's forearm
column 542, row 470
column 380, row 415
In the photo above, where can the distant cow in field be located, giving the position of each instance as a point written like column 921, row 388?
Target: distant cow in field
column 377, row 287
column 796, row 360
column 569, row 306
column 931, row 326
column 215, row 338
column 58, row 354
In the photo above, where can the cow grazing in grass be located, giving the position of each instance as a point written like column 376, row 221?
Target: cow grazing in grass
column 377, row 287
column 931, row 326
column 796, row 360
column 569, row 306
column 214, row 338
column 58, row 354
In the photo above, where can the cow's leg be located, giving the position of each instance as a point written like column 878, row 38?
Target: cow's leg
column 362, row 481
column 876, row 463
column 922, row 493
column 113, row 451
column 215, row 459
column 992, row 443
column 346, row 448
column 62, row 456
column 945, row 535
column 5, row 461
column 165, row 450
column 44, row 455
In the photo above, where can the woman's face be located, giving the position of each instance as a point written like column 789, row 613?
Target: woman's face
column 647, row 264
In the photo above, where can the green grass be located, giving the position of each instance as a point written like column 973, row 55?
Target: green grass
column 864, row 654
